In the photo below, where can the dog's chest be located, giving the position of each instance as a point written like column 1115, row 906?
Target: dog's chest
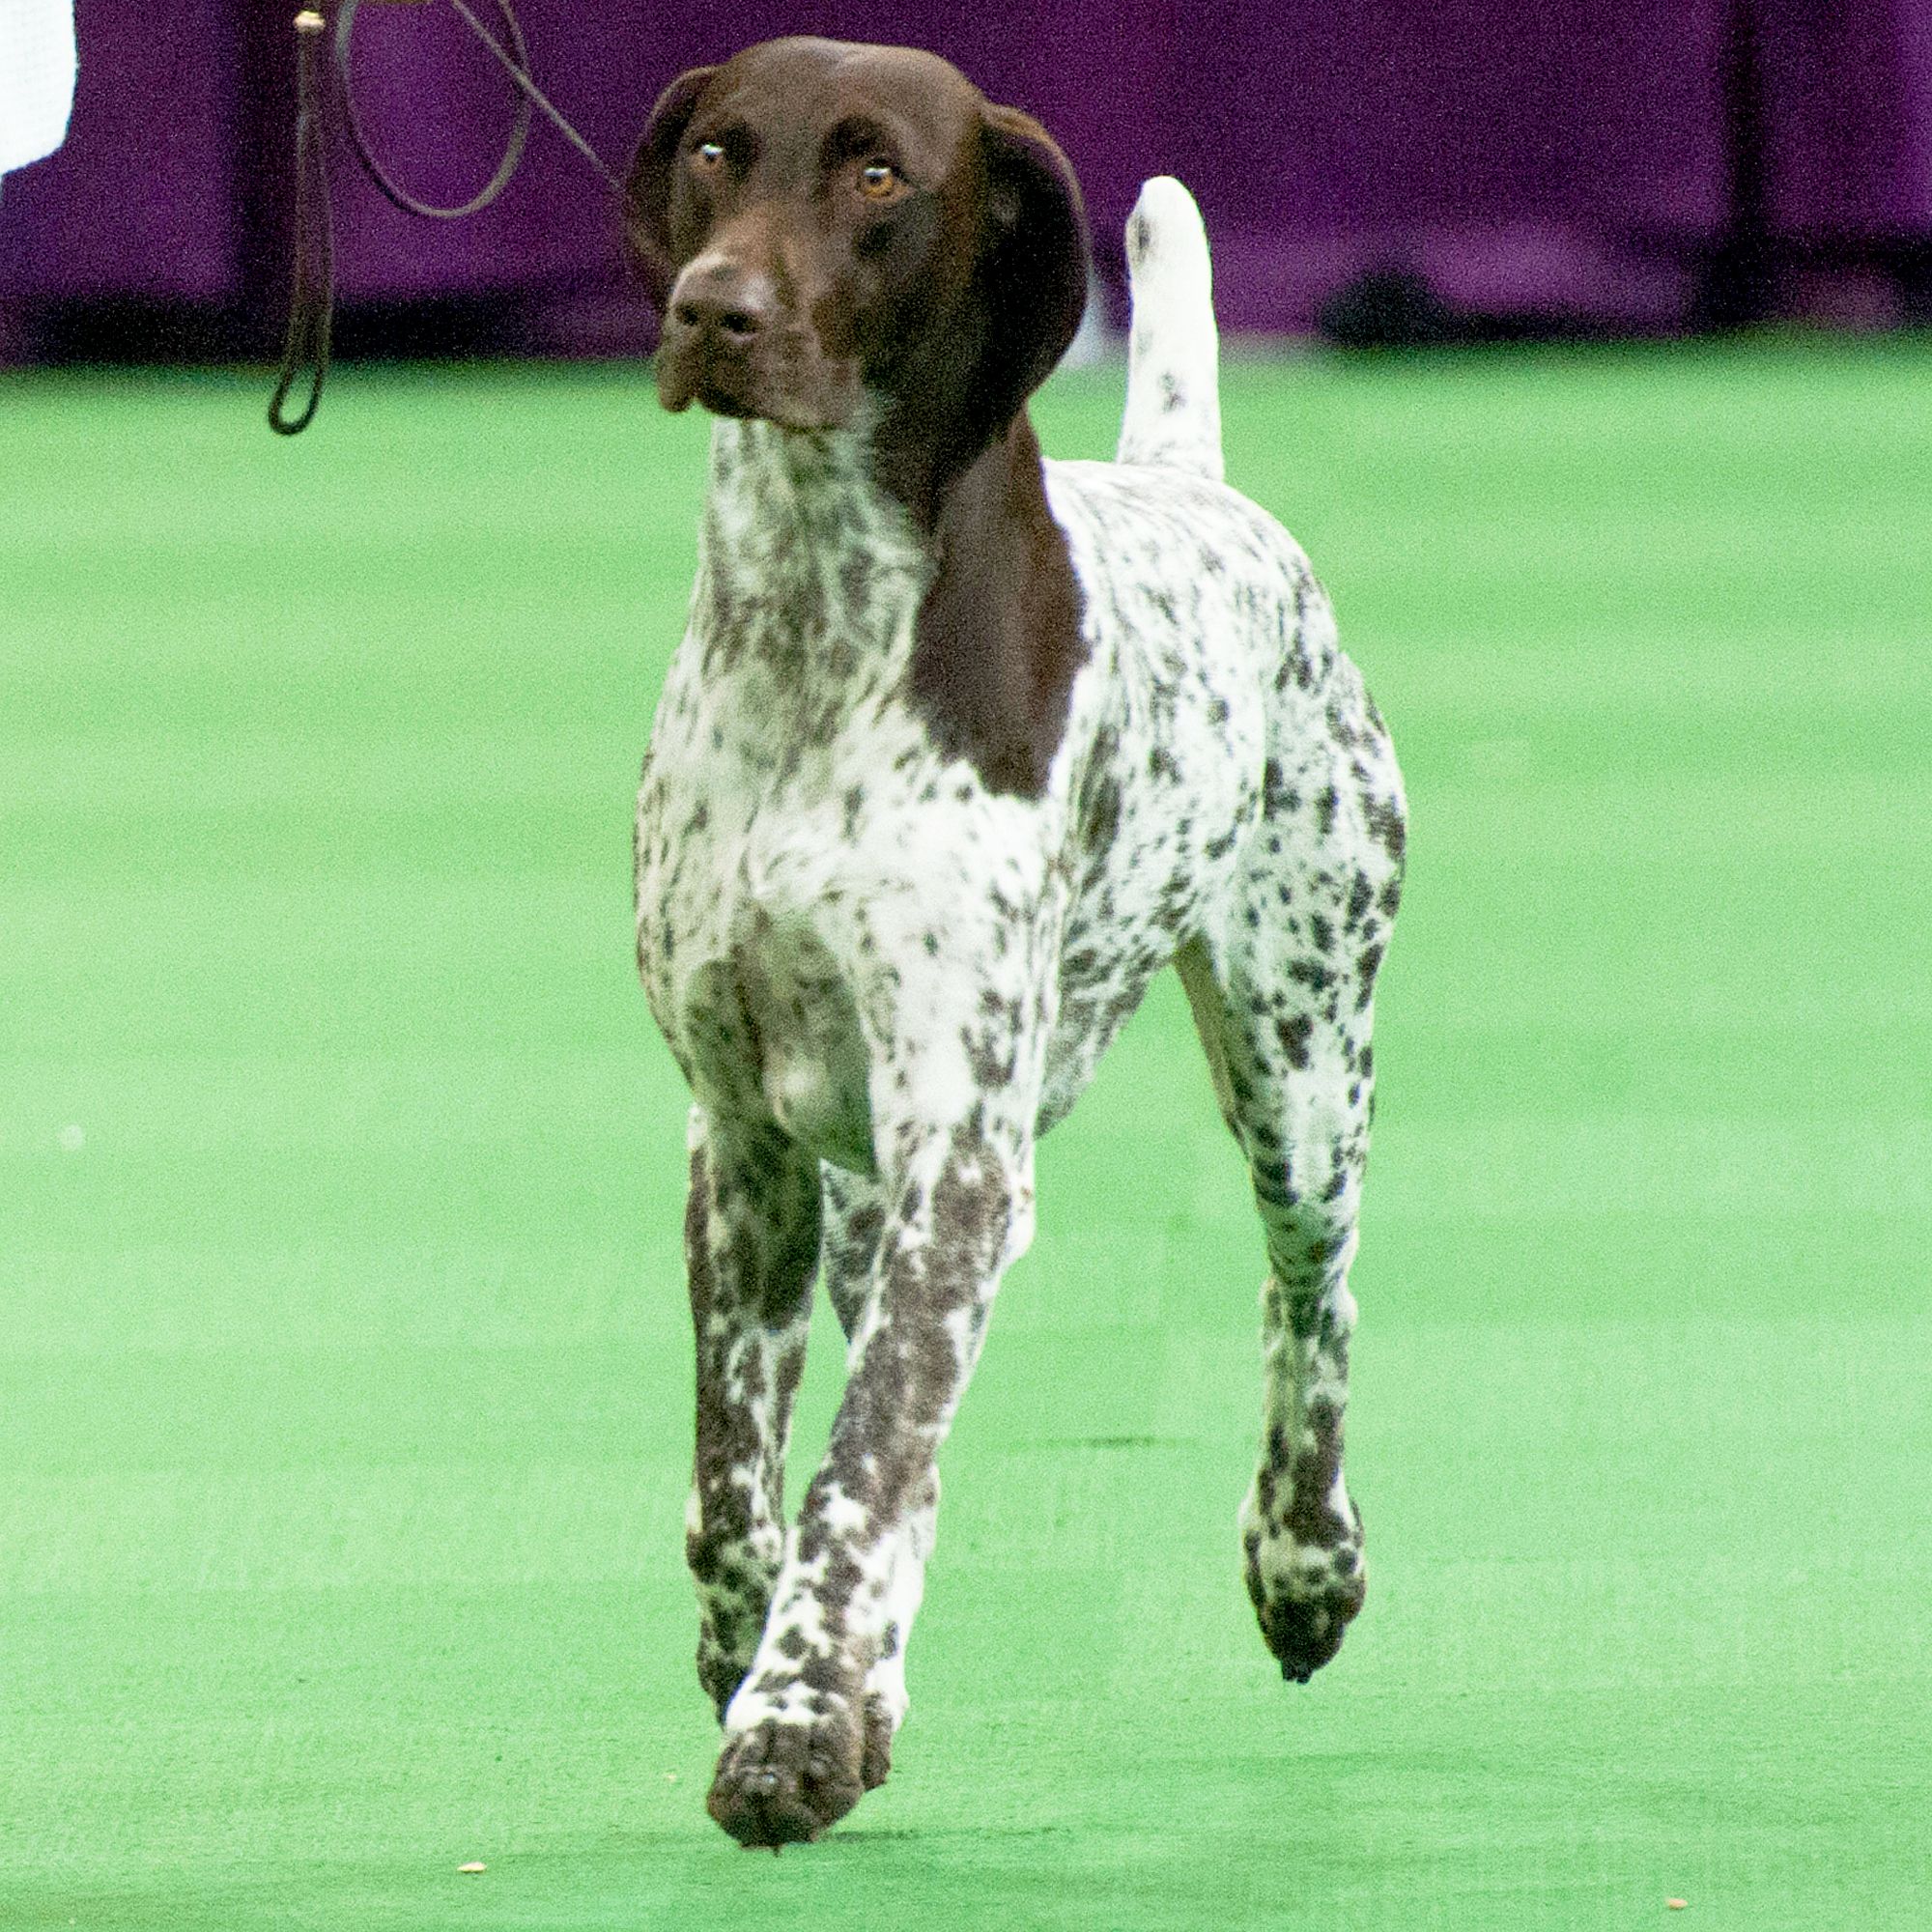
column 798, row 832
column 763, row 879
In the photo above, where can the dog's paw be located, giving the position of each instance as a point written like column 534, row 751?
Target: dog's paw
column 782, row 1782
column 1305, row 1607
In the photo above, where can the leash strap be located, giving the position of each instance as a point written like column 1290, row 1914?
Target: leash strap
column 518, row 70
column 312, row 296
column 312, row 292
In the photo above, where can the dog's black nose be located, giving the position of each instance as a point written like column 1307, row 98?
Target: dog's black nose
column 722, row 299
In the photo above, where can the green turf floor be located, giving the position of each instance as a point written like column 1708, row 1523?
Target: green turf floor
column 342, row 1374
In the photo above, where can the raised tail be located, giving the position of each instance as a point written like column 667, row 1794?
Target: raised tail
column 1173, row 387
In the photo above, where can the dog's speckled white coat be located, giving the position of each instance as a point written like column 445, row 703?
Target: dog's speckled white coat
column 883, row 981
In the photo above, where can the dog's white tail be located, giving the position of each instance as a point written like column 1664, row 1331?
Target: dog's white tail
column 1174, row 389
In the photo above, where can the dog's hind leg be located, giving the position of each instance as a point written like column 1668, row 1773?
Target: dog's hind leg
column 750, row 1237
column 1282, row 999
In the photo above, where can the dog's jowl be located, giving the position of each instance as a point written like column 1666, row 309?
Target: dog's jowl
column 961, row 748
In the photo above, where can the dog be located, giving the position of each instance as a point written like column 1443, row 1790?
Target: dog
column 961, row 748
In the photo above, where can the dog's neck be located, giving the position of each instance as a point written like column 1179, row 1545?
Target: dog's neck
column 848, row 559
column 797, row 523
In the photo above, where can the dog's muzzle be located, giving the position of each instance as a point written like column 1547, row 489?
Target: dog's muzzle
column 718, row 331
column 730, row 344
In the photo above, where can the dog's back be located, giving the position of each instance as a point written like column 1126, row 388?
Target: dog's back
column 1215, row 703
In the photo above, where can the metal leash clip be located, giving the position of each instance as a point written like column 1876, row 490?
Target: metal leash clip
column 312, row 285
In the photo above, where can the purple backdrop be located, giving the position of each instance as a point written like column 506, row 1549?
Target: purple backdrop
column 1848, row 94
column 1567, row 159
column 143, row 196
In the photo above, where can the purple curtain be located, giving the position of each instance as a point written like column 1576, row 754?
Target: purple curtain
column 1564, row 159
column 1848, row 110
column 144, row 196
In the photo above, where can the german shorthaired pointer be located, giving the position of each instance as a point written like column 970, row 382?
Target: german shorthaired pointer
column 961, row 748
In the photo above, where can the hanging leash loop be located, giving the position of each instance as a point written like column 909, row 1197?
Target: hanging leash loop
column 312, row 295
column 517, row 61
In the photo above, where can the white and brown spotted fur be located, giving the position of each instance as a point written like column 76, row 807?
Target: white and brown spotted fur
column 885, row 973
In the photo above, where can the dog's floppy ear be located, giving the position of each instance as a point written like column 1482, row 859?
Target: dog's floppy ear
column 647, row 190
column 1033, row 267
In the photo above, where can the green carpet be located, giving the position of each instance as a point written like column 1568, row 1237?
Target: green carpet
column 343, row 1375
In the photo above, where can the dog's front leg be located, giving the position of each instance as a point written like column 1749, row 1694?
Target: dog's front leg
column 750, row 1240
column 960, row 1211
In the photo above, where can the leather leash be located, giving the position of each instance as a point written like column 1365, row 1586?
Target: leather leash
column 312, row 284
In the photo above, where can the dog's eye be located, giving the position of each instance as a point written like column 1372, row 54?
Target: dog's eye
column 879, row 180
column 709, row 155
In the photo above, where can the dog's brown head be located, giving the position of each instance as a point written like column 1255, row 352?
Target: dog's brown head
column 829, row 229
